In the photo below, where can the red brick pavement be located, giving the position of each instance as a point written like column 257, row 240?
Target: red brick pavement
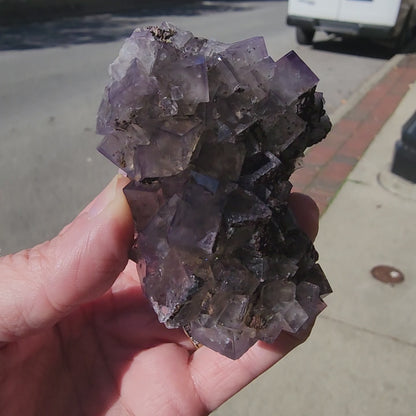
column 327, row 165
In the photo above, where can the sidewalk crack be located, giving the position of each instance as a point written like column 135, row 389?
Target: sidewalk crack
column 369, row 331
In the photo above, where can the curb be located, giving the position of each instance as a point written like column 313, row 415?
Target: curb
column 327, row 166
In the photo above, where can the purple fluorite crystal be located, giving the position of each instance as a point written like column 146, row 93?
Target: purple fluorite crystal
column 209, row 134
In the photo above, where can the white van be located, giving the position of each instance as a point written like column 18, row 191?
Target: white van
column 392, row 20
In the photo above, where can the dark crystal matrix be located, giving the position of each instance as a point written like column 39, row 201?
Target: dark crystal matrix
column 209, row 134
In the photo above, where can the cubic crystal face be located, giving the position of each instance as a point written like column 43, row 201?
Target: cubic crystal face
column 209, row 134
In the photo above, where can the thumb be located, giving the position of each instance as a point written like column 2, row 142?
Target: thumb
column 41, row 285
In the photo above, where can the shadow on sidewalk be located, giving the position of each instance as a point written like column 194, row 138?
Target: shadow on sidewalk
column 97, row 28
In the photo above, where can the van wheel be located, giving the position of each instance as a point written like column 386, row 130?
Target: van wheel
column 404, row 36
column 304, row 36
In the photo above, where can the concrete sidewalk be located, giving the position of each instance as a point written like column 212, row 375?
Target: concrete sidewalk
column 361, row 357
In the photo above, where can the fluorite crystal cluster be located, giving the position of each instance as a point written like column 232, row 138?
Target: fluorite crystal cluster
column 209, row 134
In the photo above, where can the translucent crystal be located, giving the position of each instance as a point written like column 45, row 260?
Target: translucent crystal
column 209, row 134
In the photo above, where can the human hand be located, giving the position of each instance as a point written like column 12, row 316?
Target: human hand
column 77, row 335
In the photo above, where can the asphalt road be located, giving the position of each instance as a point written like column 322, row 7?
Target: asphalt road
column 51, row 79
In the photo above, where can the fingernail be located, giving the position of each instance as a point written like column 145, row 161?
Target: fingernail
column 104, row 198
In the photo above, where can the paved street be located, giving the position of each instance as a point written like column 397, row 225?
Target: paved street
column 49, row 168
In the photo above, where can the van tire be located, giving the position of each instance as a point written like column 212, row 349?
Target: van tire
column 304, row 36
column 404, row 36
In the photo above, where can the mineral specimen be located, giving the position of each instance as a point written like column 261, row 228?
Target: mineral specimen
column 209, row 134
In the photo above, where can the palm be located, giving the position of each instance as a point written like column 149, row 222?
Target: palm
column 110, row 356
column 113, row 357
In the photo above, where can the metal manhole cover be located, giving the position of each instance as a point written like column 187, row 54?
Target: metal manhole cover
column 387, row 274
